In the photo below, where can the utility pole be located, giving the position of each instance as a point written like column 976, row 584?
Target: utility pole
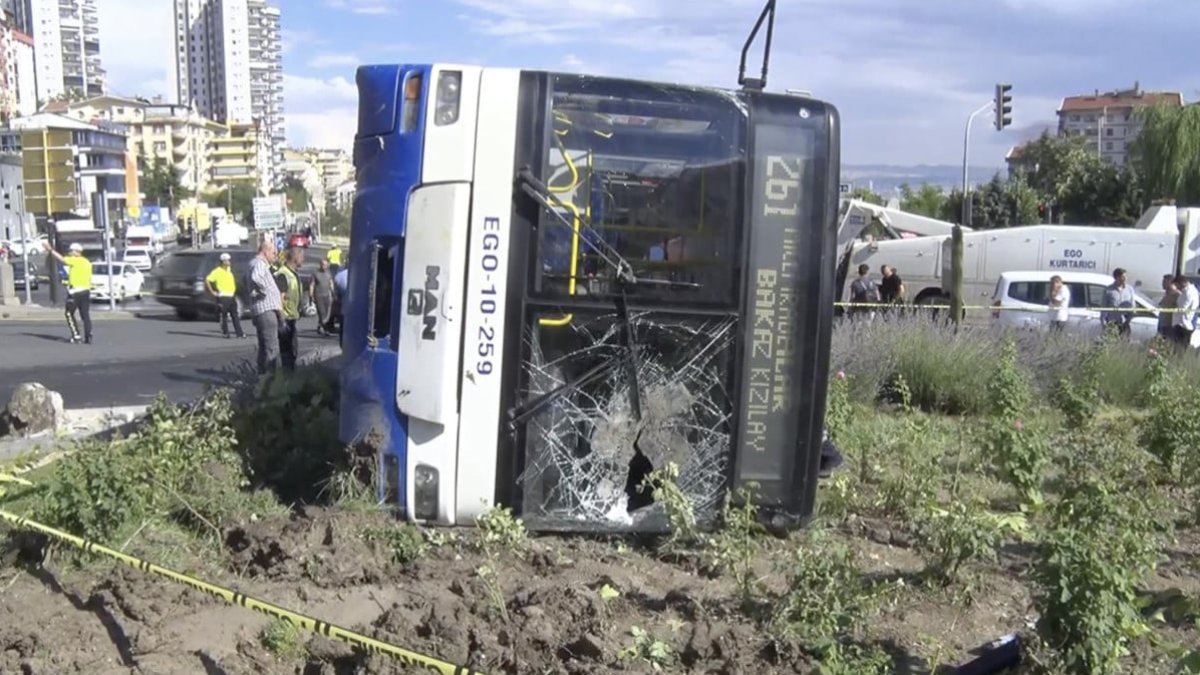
column 25, row 244
column 100, row 218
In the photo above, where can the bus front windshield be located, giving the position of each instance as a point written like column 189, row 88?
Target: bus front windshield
column 653, row 172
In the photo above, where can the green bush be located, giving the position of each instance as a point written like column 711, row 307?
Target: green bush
column 1096, row 551
column 287, row 432
column 104, row 489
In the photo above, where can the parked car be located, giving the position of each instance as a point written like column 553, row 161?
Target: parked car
column 140, row 257
column 299, row 239
column 19, row 275
column 126, row 281
column 1021, row 301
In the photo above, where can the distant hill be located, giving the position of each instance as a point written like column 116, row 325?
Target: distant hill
column 886, row 179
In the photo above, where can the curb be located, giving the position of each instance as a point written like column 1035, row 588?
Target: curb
column 39, row 314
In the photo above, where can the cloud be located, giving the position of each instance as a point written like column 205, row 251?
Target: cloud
column 142, row 67
column 291, row 39
column 333, row 60
column 321, row 112
column 369, row 7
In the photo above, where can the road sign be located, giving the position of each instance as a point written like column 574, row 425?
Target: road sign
column 268, row 213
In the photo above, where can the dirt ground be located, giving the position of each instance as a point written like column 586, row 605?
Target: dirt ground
column 60, row 617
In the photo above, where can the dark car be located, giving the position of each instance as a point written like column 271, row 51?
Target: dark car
column 179, row 281
column 19, row 275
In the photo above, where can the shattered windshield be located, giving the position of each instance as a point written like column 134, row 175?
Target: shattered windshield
column 631, row 328
column 656, row 172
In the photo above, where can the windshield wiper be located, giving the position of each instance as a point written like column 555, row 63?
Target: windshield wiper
column 625, row 279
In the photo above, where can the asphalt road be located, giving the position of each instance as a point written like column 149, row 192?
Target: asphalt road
column 131, row 360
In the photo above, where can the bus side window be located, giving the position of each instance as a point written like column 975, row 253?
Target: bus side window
column 383, row 268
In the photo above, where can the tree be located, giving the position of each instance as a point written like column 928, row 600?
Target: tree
column 1068, row 174
column 297, row 195
column 161, row 184
column 1167, row 151
column 928, row 200
column 867, row 195
column 336, row 222
column 238, row 201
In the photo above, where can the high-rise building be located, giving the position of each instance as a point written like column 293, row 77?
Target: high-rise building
column 18, row 87
column 227, row 66
column 66, row 39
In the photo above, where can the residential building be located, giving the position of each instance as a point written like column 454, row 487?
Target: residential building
column 12, row 188
column 227, row 66
column 18, row 89
column 344, row 196
column 1109, row 120
column 65, row 161
column 298, row 166
column 66, row 39
column 266, row 77
column 174, row 134
column 243, row 156
column 334, row 164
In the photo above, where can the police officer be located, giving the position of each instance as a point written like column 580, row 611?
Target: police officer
column 221, row 283
column 288, row 280
column 79, row 290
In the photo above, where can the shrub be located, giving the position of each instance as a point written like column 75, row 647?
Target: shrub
column 106, row 488
column 826, row 601
column 1172, row 431
column 1097, row 549
column 1020, row 452
column 287, row 431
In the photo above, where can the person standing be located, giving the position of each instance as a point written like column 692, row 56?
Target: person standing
column 864, row 290
column 341, row 282
column 320, row 289
column 266, row 306
column 335, row 260
column 1166, row 320
column 1184, row 321
column 221, row 283
column 1119, row 296
column 79, row 290
column 288, row 280
column 1060, row 304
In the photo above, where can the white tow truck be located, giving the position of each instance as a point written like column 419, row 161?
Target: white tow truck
column 1147, row 251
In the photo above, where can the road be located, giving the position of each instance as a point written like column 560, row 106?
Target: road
column 132, row 360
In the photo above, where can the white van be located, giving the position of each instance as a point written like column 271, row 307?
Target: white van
column 1021, row 300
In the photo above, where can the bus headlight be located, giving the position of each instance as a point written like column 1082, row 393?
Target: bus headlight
column 449, row 93
column 425, row 493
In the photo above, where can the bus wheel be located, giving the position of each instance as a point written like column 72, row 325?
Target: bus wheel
column 932, row 300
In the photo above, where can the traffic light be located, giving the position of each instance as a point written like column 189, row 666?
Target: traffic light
column 1003, row 106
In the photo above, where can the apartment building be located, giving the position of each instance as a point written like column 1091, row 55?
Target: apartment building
column 66, row 39
column 298, row 166
column 65, row 161
column 173, row 134
column 241, row 157
column 228, row 67
column 1108, row 120
column 18, row 86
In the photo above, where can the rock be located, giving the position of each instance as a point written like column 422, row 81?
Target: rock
column 33, row 409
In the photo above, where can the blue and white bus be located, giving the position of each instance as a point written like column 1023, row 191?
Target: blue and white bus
column 559, row 283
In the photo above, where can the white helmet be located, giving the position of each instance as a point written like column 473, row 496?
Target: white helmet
column 76, row 248
column 225, row 257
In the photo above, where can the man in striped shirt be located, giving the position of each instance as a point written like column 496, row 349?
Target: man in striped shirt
column 266, row 306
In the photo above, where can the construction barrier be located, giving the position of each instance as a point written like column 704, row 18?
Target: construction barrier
column 358, row 640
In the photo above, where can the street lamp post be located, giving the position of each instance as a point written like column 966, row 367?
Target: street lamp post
column 966, row 188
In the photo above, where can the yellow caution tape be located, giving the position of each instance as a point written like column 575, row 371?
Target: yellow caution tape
column 367, row 644
column 1005, row 308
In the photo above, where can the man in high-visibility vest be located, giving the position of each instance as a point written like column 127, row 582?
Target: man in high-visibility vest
column 221, row 283
column 79, row 290
column 288, row 279
column 335, row 260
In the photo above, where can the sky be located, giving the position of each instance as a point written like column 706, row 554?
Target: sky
column 904, row 74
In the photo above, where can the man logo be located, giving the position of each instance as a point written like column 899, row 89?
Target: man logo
column 431, row 303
